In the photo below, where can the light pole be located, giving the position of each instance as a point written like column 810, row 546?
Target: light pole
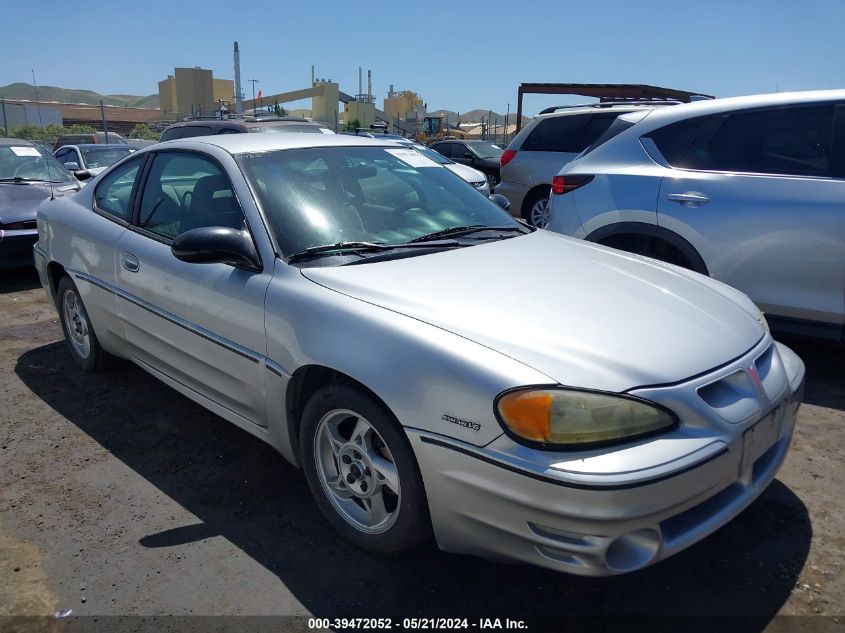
column 253, row 82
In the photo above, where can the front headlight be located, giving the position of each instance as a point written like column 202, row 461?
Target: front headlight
column 561, row 418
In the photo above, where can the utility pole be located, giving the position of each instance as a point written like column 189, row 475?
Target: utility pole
column 507, row 121
column 253, row 82
column 105, row 125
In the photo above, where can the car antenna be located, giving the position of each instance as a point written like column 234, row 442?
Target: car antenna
column 41, row 125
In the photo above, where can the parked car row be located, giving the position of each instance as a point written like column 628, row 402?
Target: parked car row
column 747, row 190
column 28, row 176
column 354, row 304
column 549, row 141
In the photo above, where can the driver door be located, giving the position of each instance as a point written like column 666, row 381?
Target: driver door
column 199, row 325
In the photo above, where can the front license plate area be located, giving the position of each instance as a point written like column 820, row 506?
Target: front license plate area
column 760, row 438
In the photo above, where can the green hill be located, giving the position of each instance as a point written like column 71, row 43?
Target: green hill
column 66, row 95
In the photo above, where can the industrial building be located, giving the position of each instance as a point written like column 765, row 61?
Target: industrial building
column 191, row 91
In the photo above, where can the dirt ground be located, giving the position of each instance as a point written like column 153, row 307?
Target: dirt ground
column 120, row 497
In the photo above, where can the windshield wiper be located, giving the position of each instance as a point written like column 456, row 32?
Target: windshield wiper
column 354, row 248
column 454, row 231
column 20, row 179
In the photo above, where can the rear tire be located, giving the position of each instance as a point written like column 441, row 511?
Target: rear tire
column 649, row 246
column 85, row 348
column 362, row 471
column 535, row 209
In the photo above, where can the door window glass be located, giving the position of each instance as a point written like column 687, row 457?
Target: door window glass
column 795, row 141
column 114, row 193
column 187, row 191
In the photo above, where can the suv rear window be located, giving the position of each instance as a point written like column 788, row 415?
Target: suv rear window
column 570, row 133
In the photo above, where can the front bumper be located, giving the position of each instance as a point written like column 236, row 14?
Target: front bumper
column 615, row 518
column 16, row 248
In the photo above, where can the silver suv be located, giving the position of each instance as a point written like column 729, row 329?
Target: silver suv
column 748, row 190
column 548, row 142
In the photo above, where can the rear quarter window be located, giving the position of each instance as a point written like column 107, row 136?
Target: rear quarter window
column 673, row 141
column 556, row 134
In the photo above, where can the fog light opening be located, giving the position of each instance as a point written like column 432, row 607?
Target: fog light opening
column 633, row 550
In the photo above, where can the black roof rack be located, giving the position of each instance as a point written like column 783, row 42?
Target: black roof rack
column 614, row 102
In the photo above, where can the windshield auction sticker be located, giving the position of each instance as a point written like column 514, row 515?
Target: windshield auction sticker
column 25, row 151
column 412, row 157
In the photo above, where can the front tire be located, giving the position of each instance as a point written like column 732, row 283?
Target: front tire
column 84, row 345
column 362, row 472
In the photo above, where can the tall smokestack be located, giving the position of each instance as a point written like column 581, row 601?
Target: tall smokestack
column 312, row 74
column 360, row 83
column 238, row 104
column 369, row 85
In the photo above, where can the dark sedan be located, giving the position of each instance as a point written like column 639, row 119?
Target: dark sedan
column 28, row 174
column 481, row 155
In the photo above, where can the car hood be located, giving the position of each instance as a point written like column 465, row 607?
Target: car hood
column 18, row 202
column 466, row 172
column 583, row 315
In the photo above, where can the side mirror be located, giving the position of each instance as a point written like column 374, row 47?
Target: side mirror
column 216, row 245
column 81, row 174
column 469, row 155
column 500, row 200
column 72, row 166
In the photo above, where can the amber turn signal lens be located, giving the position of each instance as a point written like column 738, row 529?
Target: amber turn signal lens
column 527, row 413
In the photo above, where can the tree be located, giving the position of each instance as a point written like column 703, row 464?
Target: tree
column 353, row 125
column 279, row 110
column 142, row 131
column 79, row 129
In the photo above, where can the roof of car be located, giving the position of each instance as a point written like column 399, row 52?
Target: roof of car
column 212, row 123
column 664, row 116
column 98, row 145
column 242, row 143
column 15, row 141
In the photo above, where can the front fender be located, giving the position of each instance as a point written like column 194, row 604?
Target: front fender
column 431, row 379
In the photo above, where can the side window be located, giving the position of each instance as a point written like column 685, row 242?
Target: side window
column 444, row 149
column 61, row 156
column 675, row 140
column 229, row 130
column 172, row 133
column 556, row 134
column 794, row 141
column 187, row 191
column 195, row 130
column 459, row 150
column 114, row 193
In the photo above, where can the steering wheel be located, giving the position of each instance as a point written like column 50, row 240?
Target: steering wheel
column 417, row 206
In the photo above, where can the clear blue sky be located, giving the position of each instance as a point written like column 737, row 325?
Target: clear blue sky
column 456, row 55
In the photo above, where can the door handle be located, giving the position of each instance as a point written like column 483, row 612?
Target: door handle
column 689, row 199
column 130, row 262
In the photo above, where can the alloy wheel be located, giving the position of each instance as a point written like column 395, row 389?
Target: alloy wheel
column 357, row 471
column 539, row 215
column 76, row 321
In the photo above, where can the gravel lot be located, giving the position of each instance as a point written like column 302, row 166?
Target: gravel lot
column 118, row 496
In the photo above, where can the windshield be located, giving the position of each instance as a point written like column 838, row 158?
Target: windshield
column 486, row 150
column 103, row 156
column 317, row 196
column 28, row 162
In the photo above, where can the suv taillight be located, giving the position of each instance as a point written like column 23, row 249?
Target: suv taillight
column 506, row 157
column 565, row 184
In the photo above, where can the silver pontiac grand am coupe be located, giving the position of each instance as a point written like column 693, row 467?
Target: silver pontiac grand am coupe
column 366, row 312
